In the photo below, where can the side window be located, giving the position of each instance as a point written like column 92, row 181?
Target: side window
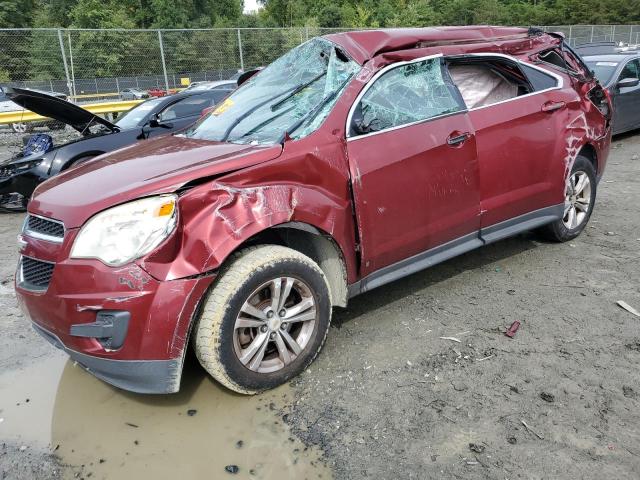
column 406, row 94
column 630, row 70
column 185, row 108
column 539, row 80
column 484, row 82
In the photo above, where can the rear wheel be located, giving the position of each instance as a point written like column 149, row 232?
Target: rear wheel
column 580, row 197
column 265, row 319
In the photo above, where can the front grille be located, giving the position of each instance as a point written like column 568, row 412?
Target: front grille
column 35, row 274
column 44, row 228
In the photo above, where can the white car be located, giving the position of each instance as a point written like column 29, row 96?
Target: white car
column 7, row 105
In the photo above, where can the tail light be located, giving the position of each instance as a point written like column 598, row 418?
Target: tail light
column 601, row 99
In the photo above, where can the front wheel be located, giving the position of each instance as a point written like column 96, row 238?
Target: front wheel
column 580, row 198
column 264, row 320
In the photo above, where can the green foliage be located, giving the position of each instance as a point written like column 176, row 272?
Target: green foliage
column 35, row 54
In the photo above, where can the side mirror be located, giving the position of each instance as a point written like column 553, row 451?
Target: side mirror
column 154, row 122
column 628, row 82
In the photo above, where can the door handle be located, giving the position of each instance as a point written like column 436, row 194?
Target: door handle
column 552, row 106
column 457, row 138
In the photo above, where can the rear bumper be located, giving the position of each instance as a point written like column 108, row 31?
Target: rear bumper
column 140, row 376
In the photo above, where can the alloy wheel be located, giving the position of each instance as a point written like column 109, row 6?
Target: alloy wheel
column 275, row 324
column 577, row 200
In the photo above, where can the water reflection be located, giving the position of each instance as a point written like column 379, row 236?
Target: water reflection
column 108, row 433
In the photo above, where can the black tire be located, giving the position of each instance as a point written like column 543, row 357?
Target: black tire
column 13, row 203
column 216, row 345
column 560, row 231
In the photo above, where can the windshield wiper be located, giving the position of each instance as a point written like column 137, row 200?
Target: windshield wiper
column 314, row 111
column 297, row 90
column 250, row 111
column 265, row 123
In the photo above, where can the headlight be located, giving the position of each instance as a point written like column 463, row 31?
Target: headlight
column 126, row 232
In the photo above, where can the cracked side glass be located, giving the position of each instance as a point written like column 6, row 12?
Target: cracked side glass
column 292, row 95
column 408, row 94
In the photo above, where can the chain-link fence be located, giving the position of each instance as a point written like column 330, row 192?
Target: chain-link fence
column 89, row 62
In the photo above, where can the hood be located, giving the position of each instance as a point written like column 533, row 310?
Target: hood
column 146, row 168
column 56, row 108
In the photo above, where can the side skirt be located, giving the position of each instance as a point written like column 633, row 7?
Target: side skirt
column 456, row 247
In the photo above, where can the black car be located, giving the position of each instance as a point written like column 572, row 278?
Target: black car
column 20, row 175
column 619, row 73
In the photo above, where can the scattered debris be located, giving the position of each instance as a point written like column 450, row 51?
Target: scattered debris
column 512, row 329
column 628, row 308
column 475, row 447
column 511, row 292
column 547, row 397
column 23, row 448
column 628, row 392
column 231, row 469
column 453, row 339
column 484, row 358
column 132, row 425
column 192, row 412
column 531, row 430
column 610, row 233
column 512, row 440
column 634, row 157
column 239, row 444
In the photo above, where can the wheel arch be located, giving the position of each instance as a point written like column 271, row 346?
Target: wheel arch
column 80, row 155
column 589, row 151
column 311, row 241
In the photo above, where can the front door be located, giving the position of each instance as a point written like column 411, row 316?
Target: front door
column 414, row 169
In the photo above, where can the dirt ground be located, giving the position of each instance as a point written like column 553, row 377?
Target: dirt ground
column 388, row 397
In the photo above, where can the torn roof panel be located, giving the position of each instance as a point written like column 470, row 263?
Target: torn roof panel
column 364, row 45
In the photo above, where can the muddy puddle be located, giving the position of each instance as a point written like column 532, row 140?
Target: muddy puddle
column 204, row 431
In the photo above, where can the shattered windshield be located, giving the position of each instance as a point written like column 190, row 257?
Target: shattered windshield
column 292, row 95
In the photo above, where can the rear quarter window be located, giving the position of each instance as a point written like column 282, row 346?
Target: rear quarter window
column 538, row 80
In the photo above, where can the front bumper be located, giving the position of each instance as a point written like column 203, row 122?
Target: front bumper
column 140, row 376
column 150, row 358
column 23, row 183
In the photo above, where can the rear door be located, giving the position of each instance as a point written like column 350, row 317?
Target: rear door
column 627, row 100
column 520, row 146
column 414, row 169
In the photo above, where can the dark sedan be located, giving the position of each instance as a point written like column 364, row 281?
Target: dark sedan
column 619, row 74
column 21, row 174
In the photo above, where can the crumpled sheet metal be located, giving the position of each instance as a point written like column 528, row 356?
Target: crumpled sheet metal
column 220, row 215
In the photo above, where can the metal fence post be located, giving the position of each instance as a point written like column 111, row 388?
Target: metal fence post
column 164, row 65
column 570, row 34
column 592, row 27
column 73, row 75
column 64, row 61
column 240, row 50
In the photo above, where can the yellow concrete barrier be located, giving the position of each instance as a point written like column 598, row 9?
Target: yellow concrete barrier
column 97, row 108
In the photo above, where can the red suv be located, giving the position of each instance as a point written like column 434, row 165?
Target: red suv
column 351, row 161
